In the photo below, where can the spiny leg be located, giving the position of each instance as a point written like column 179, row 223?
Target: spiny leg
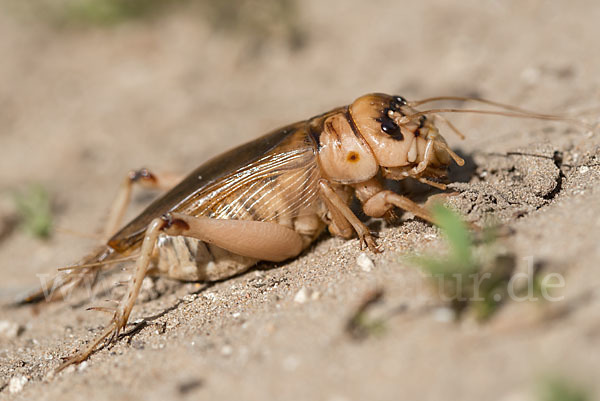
column 380, row 203
column 383, row 201
column 254, row 239
column 121, row 315
column 338, row 225
column 341, row 211
column 63, row 283
column 144, row 178
column 398, row 174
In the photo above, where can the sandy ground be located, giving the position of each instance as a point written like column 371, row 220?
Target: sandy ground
column 79, row 107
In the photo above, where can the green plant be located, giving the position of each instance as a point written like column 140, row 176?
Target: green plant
column 556, row 388
column 35, row 211
column 110, row 12
column 468, row 276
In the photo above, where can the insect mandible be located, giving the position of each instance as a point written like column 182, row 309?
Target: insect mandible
column 271, row 198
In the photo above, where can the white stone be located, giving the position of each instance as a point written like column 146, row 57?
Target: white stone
column 16, row 384
column 82, row 366
column 9, row 329
column 364, row 262
column 227, row 350
column 301, row 296
column 444, row 315
column 69, row 369
column 147, row 284
column 209, row 296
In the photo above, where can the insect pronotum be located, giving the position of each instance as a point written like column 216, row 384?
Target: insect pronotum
column 271, row 198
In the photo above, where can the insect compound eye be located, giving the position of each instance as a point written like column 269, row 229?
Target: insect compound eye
column 389, row 126
column 397, row 102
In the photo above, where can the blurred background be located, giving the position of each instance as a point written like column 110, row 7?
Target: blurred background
column 90, row 89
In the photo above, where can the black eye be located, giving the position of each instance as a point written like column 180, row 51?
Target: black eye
column 397, row 102
column 390, row 127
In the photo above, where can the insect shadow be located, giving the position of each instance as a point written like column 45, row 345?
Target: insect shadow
column 464, row 173
column 418, row 191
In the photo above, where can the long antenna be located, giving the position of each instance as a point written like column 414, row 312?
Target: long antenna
column 471, row 99
column 451, row 126
column 505, row 114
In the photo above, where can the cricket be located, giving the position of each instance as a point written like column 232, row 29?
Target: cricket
column 269, row 199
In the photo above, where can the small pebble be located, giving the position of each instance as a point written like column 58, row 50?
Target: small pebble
column 364, row 262
column 147, row 284
column 227, row 350
column 16, row 384
column 209, row 296
column 9, row 329
column 70, row 369
column 301, row 296
column 444, row 315
column 583, row 169
column 190, row 297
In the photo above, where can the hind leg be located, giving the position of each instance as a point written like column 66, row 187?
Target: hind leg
column 252, row 239
column 62, row 284
column 144, row 178
column 121, row 314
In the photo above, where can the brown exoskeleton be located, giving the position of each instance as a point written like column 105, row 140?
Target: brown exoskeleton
column 270, row 198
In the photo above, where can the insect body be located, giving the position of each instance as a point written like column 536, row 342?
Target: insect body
column 270, row 198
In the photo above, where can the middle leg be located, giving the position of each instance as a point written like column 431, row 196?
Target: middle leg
column 343, row 216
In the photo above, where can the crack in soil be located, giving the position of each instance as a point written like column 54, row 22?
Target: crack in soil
column 512, row 185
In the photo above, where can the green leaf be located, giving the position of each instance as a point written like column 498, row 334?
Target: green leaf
column 558, row 389
column 35, row 211
column 458, row 236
